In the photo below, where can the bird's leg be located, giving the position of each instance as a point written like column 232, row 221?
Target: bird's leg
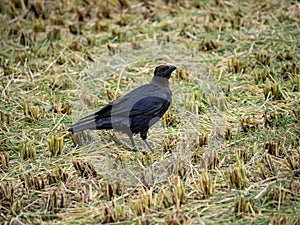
column 133, row 143
column 148, row 145
column 144, row 138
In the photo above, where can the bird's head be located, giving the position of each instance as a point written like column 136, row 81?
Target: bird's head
column 164, row 71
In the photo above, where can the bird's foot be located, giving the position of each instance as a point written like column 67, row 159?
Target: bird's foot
column 148, row 145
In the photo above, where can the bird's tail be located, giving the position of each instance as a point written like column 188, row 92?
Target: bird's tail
column 90, row 123
column 77, row 127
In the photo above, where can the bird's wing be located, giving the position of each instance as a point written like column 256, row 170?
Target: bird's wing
column 150, row 106
column 147, row 99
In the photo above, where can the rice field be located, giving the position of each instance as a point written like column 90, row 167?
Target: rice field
column 226, row 152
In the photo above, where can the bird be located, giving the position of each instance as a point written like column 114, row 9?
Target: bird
column 136, row 111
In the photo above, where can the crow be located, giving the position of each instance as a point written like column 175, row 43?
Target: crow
column 135, row 112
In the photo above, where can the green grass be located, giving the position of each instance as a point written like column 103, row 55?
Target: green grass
column 227, row 151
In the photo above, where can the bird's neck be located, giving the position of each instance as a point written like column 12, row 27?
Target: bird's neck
column 160, row 81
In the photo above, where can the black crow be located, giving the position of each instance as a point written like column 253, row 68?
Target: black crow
column 135, row 112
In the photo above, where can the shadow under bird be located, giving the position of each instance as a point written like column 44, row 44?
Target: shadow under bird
column 135, row 112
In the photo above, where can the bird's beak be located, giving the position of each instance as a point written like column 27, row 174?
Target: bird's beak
column 172, row 68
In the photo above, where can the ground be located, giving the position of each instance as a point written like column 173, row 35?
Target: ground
column 227, row 151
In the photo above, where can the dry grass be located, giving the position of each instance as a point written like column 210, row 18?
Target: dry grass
column 227, row 151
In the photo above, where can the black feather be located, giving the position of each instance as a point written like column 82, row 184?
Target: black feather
column 135, row 112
